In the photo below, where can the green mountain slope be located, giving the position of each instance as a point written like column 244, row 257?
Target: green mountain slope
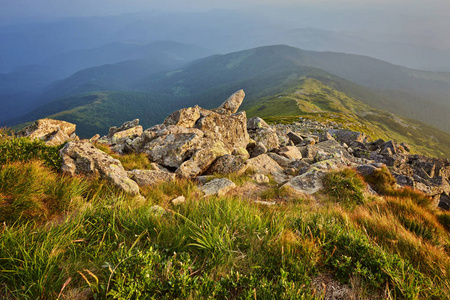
column 313, row 99
column 96, row 112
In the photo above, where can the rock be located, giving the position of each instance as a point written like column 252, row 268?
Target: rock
column 156, row 211
column 391, row 145
column 325, row 136
column 228, row 164
column 125, row 126
column 348, row 136
column 81, row 157
column 261, row 132
column 178, row 200
column 290, row 152
column 406, row 147
column 307, row 183
column 333, row 147
column 263, row 164
column 218, row 186
column 281, row 160
column 260, row 178
column 242, row 152
column 257, row 149
column 150, row 177
column 308, row 141
column 257, row 123
column 232, row 104
column 172, row 145
column 127, row 134
column 201, row 160
column 94, row 138
column 52, row 132
column 231, row 130
column 204, row 179
column 185, row 117
column 296, row 139
column 444, row 202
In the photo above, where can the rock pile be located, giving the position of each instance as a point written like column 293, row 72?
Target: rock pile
column 193, row 141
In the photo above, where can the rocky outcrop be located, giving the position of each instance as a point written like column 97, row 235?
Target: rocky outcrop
column 228, row 164
column 232, row 104
column 81, row 157
column 124, row 139
column 263, row 164
column 52, row 132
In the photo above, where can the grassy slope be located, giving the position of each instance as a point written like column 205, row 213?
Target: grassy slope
column 313, row 99
column 77, row 238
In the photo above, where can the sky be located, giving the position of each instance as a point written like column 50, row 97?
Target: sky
column 27, row 8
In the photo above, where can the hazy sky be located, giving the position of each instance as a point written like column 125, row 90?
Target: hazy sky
column 20, row 8
column 422, row 17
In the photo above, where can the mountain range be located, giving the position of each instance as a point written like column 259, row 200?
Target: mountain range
column 99, row 97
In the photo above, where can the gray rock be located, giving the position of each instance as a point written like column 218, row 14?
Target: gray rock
column 281, row 160
column 228, row 164
column 150, row 177
column 52, row 132
column 125, row 126
column 232, row 104
column 290, row 152
column 218, row 186
column 263, row 164
column 348, row 136
column 257, row 149
column 81, row 157
column 296, row 139
column 185, row 117
column 307, row 183
column 261, row 132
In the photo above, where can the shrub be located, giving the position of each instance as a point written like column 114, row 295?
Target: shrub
column 23, row 149
column 344, row 186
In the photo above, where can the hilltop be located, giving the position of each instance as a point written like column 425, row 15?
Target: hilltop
column 210, row 204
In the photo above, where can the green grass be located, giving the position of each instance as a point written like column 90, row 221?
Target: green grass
column 79, row 238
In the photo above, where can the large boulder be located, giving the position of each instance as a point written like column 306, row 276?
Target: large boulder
column 232, row 104
column 263, row 164
column 170, row 146
column 81, row 157
column 231, row 130
column 185, row 117
column 228, row 164
column 261, row 132
column 52, row 132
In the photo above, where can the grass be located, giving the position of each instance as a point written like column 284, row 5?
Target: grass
column 77, row 238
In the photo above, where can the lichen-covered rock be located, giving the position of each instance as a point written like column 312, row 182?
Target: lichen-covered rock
column 281, row 160
column 218, row 186
column 150, row 177
column 81, row 157
column 172, row 145
column 52, row 132
column 232, row 104
column 231, row 130
column 228, row 164
column 185, row 117
column 307, row 183
column 290, row 152
column 123, row 135
column 263, row 164
column 201, row 160
column 256, row 149
column 295, row 138
column 261, row 132
column 125, row 126
column 348, row 136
